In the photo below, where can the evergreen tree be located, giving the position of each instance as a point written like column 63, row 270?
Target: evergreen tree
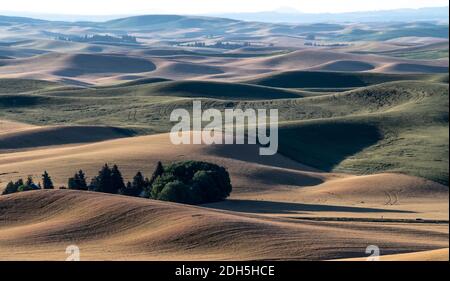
column 29, row 181
column 47, row 181
column 116, row 181
column 138, row 184
column 135, row 188
column 10, row 188
column 72, row 182
column 18, row 183
column 78, row 181
column 82, row 180
column 93, row 186
column 104, row 180
column 147, row 183
column 127, row 190
column 158, row 172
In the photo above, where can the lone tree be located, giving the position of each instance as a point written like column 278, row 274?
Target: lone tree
column 47, row 181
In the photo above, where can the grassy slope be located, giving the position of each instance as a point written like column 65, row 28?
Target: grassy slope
column 24, row 85
column 422, row 54
column 409, row 137
column 190, row 89
column 397, row 126
column 438, row 31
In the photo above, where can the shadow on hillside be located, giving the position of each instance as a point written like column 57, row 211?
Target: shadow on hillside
column 269, row 207
column 325, row 144
column 328, row 79
column 61, row 135
column 86, row 64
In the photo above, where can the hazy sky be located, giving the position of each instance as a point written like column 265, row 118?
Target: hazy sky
column 111, row 7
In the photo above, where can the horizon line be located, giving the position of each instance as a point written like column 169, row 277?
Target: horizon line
column 44, row 16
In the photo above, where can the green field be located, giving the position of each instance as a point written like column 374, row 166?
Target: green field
column 24, row 85
column 421, row 55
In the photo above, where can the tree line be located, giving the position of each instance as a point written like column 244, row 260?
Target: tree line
column 190, row 182
column 98, row 38
column 219, row 45
column 28, row 185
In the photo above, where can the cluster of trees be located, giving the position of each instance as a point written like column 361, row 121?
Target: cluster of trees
column 219, row 45
column 98, row 38
column 315, row 44
column 190, row 182
column 28, row 185
column 110, row 180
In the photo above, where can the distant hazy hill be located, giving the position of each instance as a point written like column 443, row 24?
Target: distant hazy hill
column 190, row 27
column 7, row 20
column 282, row 15
column 423, row 14
column 175, row 21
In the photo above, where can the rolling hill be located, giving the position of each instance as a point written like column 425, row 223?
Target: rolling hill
column 131, row 229
column 168, row 22
column 12, row 86
column 57, row 135
column 391, row 125
column 178, row 47
column 379, row 128
column 189, row 89
column 315, row 79
column 273, row 197
column 363, row 139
